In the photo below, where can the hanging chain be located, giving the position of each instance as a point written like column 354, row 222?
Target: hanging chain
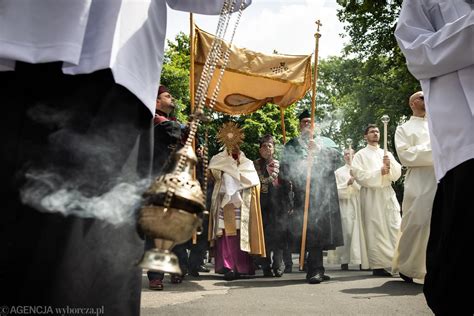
column 205, row 163
column 203, row 86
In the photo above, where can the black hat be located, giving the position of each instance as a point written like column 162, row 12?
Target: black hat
column 304, row 114
column 162, row 89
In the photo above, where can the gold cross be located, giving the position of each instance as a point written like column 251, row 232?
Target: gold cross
column 318, row 23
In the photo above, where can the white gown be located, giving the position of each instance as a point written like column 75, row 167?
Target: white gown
column 412, row 141
column 379, row 205
column 354, row 250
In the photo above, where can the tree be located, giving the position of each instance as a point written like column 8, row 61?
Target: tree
column 370, row 25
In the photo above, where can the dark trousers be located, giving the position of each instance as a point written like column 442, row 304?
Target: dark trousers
column 451, row 237
column 273, row 260
column 72, row 134
column 198, row 250
column 315, row 261
column 287, row 258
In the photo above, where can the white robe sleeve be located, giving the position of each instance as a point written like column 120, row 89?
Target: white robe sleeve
column 345, row 191
column 395, row 168
column 432, row 52
column 368, row 172
column 412, row 155
column 342, row 187
column 365, row 174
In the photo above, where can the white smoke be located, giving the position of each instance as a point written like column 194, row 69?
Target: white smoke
column 117, row 206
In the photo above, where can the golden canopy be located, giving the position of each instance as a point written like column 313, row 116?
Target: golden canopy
column 252, row 79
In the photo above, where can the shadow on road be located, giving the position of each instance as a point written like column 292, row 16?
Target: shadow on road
column 391, row 288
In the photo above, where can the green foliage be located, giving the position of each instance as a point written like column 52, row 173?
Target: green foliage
column 360, row 93
column 264, row 121
column 370, row 25
column 267, row 120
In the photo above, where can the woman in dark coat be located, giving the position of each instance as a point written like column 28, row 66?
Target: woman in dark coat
column 274, row 216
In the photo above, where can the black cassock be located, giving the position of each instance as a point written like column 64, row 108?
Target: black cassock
column 324, row 228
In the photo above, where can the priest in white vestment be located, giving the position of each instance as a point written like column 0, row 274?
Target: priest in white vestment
column 380, row 208
column 235, row 223
column 412, row 141
column 354, row 250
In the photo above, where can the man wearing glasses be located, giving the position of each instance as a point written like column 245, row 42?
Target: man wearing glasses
column 412, row 142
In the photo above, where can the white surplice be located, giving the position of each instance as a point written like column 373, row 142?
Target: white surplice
column 379, row 205
column 354, row 250
column 412, row 141
column 437, row 39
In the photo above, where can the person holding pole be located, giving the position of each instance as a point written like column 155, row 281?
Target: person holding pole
column 375, row 169
column 324, row 228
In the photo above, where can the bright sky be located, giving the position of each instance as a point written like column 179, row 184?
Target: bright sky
column 287, row 26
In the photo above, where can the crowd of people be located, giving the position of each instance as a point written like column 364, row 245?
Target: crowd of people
column 257, row 209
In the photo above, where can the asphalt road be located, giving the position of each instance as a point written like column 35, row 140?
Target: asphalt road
column 352, row 292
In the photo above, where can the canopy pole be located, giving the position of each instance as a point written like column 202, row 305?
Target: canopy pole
column 191, row 54
column 317, row 35
column 191, row 90
column 283, row 131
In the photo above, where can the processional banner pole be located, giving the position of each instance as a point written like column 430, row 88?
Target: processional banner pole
column 317, row 35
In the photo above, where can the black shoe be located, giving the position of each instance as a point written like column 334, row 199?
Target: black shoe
column 326, row 277
column 381, row 272
column 176, row 279
column 315, row 279
column 277, row 273
column 288, row 269
column 203, row 268
column 344, row 266
column 194, row 273
column 229, row 275
column 267, row 273
column 405, row 278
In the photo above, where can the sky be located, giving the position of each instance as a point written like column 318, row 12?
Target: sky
column 287, row 26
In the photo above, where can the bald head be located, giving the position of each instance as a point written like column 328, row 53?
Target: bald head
column 417, row 104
